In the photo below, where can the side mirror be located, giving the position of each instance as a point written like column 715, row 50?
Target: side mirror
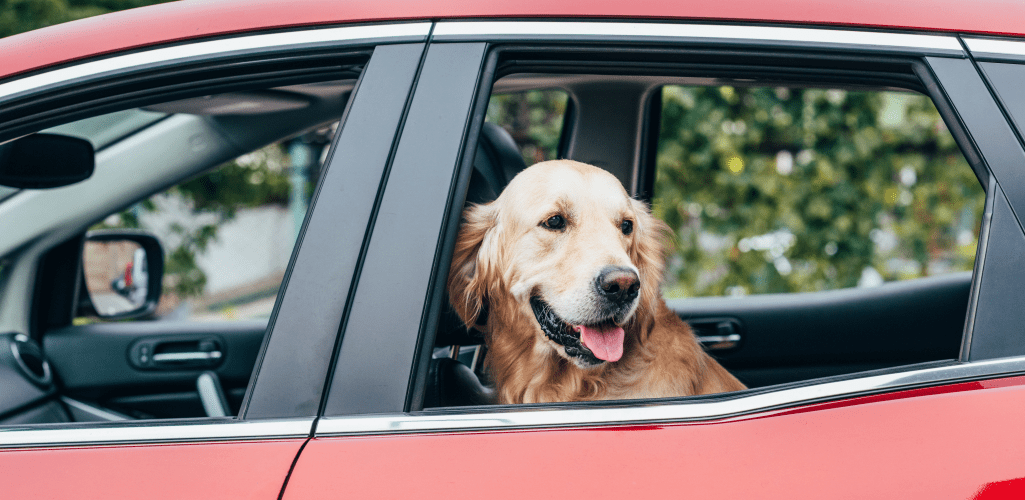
column 41, row 161
column 124, row 272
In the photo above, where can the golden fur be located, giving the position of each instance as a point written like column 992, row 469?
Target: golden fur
column 504, row 255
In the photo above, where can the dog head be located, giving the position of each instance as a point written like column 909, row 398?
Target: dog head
column 563, row 258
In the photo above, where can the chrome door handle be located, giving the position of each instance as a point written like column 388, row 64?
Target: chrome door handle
column 717, row 334
column 171, row 357
column 719, row 342
column 176, row 353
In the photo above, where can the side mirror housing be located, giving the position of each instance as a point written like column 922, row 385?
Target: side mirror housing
column 123, row 271
column 42, row 161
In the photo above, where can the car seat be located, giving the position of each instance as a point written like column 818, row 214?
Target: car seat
column 449, row 381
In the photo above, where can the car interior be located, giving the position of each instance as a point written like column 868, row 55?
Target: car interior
column 152, row 367
column 109, row 370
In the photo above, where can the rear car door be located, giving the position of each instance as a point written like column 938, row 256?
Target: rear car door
column 60, row 432
column 868, row 433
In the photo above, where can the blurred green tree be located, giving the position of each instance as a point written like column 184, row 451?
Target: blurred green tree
column 775, row 189
column 17, row 16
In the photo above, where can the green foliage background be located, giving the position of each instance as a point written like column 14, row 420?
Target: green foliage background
column 17, row 16
column 861, row 179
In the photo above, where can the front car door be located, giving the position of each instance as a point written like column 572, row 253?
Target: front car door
column 87, row 450
column 852, row 434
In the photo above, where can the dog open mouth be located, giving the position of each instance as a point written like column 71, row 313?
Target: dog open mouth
column 591, row 344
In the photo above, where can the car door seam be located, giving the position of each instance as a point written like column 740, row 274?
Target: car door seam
column 295, row 460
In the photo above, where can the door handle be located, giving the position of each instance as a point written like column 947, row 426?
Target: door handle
column 170, row 357
column 176, row 353
column 717, row 334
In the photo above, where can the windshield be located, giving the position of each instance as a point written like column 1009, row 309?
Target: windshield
column 107, row 129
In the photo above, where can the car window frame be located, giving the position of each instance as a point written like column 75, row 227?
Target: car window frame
column 39, row 106
column 999, row 314
column 929, row 49
column 395, row 298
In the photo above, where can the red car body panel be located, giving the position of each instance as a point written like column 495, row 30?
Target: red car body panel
column 254, row 469
column 178, row 21
column 961, row 441
column 965, row 438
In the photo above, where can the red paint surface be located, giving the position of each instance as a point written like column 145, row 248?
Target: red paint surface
column 965, row 443
column 1013, row 489
column 890, row 396
column 250, row 470
column 188, row 20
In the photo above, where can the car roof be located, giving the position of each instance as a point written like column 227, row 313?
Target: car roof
column 185, row 20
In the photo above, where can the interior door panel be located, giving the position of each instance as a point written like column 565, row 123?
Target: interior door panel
column 785, row 338
column 104, row 363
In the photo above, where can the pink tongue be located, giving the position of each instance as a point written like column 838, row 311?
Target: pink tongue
column 606, row 342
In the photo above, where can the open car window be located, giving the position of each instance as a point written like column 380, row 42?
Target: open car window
column 194, row 212
column 821, row 196
column 224, row 232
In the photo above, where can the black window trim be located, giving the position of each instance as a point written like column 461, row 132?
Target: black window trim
column 996, row 316
column 431, row 145
column 310, row 314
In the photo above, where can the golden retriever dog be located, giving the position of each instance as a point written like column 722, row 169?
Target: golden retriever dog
column 562, row 274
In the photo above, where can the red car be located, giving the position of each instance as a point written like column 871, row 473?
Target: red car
column 353, row 378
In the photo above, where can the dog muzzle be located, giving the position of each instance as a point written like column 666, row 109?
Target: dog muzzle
column 590, row 344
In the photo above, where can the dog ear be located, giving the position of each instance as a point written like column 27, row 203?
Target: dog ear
column 648, row 252
column 473, row 263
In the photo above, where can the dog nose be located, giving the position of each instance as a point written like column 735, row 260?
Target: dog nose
column 618, row 284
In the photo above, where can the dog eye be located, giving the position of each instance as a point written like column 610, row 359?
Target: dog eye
column 555, row 222
column 627, row 226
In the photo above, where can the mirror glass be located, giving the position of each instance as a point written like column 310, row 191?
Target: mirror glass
column 116, row 276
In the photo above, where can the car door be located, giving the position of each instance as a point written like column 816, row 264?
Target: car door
column 875, row 433
column 250, row 454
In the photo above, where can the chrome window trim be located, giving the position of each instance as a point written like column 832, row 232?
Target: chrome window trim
column 993, row 48
column 659, row 412
column 715, row 33
column 153, row 432
column 412, row 32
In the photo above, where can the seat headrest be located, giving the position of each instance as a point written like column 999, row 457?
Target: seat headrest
column 495, row 163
